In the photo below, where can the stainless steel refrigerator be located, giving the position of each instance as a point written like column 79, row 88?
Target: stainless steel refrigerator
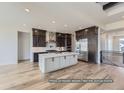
column 82, row 49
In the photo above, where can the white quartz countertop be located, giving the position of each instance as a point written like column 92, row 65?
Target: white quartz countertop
column 48, row 55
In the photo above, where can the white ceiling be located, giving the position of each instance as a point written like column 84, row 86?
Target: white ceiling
column 103, row 3
column 74, row 15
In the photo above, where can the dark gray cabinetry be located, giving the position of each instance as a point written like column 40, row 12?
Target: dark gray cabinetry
column 64, row 40
column 91, row 34
column 39, row 37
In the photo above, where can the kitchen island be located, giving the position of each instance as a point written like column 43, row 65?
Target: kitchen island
column 54, row 61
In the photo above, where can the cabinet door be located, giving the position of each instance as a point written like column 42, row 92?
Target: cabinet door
column 56, row 63
column 68, row 41
column 62, row 62
column 75, row 59
column 39, row 37
column 72, row 60
column 49, row 63
column 67, row 60
column 60, row 40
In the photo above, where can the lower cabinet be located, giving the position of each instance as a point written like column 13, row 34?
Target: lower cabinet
column 73, row 59
column 49, row 64
column 67, row 61
column 55, row 63
column 62, row 62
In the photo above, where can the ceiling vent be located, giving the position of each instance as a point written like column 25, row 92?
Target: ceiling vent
column 107, row 5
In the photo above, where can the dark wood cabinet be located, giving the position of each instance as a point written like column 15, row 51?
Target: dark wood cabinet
column 35, row 56
column 91, row 34
column 39, row 37
column 60, row 40
column 68, row 42
column 64, row 40
column 81, row 34
column 93, row 44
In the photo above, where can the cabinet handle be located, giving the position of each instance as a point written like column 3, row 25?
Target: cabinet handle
column 53, row 59
column 64, row 57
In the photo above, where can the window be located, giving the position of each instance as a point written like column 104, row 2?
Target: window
column 121, row 44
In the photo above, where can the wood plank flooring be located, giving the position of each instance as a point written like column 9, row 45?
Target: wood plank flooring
column 27, row 76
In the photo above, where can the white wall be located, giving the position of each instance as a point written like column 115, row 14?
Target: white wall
column 23, row 46
column 108, row 40
column 103, row 41
column 116, row 45
column 115, row 25
column 8, row 46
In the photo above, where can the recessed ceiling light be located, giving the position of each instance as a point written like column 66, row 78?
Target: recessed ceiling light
column 35, row 31
column 53, row 22
column 24, row 24
column 80, row 27
column 86, row 30
column 122, row 16
column 27, row 10
column 65, row 25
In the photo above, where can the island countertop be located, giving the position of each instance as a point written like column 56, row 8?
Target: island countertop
column 49, row 55
column 54, row 61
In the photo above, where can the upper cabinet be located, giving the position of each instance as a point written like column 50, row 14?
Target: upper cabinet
column 39, row 37
column 64, row 40
column 68, row 42
column 86, row 33
column 79, row 35
column 60, row 40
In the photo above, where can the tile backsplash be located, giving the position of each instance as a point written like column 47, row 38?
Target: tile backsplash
column 43, row 49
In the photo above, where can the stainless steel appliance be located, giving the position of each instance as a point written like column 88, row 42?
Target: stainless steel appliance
column 82, row 49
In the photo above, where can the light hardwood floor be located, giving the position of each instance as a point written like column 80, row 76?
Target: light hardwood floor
column 27, row 76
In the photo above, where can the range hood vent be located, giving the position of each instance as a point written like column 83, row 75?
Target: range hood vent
column 52, row 37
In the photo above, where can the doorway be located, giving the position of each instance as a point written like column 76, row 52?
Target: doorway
column 23, row 47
